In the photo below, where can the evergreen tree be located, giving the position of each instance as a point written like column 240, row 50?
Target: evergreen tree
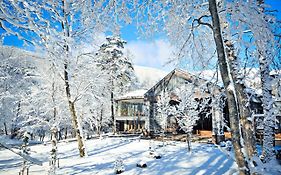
column 112, row 60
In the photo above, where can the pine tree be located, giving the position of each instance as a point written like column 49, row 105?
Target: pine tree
column 112, row 60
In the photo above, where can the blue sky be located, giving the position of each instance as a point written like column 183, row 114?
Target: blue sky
column 152, row 52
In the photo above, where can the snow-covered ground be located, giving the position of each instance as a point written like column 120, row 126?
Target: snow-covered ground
column 204, row 158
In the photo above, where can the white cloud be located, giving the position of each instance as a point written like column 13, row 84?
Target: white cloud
column 151, row 54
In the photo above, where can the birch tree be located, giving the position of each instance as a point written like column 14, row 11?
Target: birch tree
column 233, row 111
column 266, row 55
column 260, row 26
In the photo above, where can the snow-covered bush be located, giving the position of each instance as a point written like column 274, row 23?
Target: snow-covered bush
column 222, row 144
column 228, row 145
column 154, row 154
column 142, row 164
column 119, row 166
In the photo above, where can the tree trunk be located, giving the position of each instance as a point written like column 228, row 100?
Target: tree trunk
column 217, row 119
column 188, row 142
column 99, row 123
column 5, row 128
column 65, row 133
column 232, row 105
column 269, row 117
column 14, row 128
column 244, row 109
column 71, row 104
column 53, row 100
column 112, row 112
column 75, row 124
column 54, row 150
column 18, row 109
column 78, row 131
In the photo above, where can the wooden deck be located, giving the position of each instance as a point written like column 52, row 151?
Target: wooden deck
column 204, row 135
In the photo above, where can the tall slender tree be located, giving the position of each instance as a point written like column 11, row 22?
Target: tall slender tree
column 230, row 91
column 266, row 56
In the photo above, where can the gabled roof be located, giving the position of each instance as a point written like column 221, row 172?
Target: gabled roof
column 167, row 77
column 141, row 93
column 189, row 77
column 177, row 72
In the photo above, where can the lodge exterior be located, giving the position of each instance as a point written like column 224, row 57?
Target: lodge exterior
column 136, row 111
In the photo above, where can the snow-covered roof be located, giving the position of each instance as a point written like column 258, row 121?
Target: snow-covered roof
column 137, row 94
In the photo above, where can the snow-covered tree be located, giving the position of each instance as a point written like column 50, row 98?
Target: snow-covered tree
column 44, row 106
column 112, row 60
column 119, row 166
column 198, row 34
column 262, row 48
column 94, row 101
column 17, row 77
column 187, row 112
column 163, row 109
column 58, row 28
column 265, row 57
column 230, row 91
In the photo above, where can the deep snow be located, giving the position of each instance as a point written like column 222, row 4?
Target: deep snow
column 204, row 158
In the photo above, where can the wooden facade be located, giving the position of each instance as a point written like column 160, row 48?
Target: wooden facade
column 169, row 84
column 138, row 112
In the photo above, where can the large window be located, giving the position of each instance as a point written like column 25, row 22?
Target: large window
column 132, row 109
